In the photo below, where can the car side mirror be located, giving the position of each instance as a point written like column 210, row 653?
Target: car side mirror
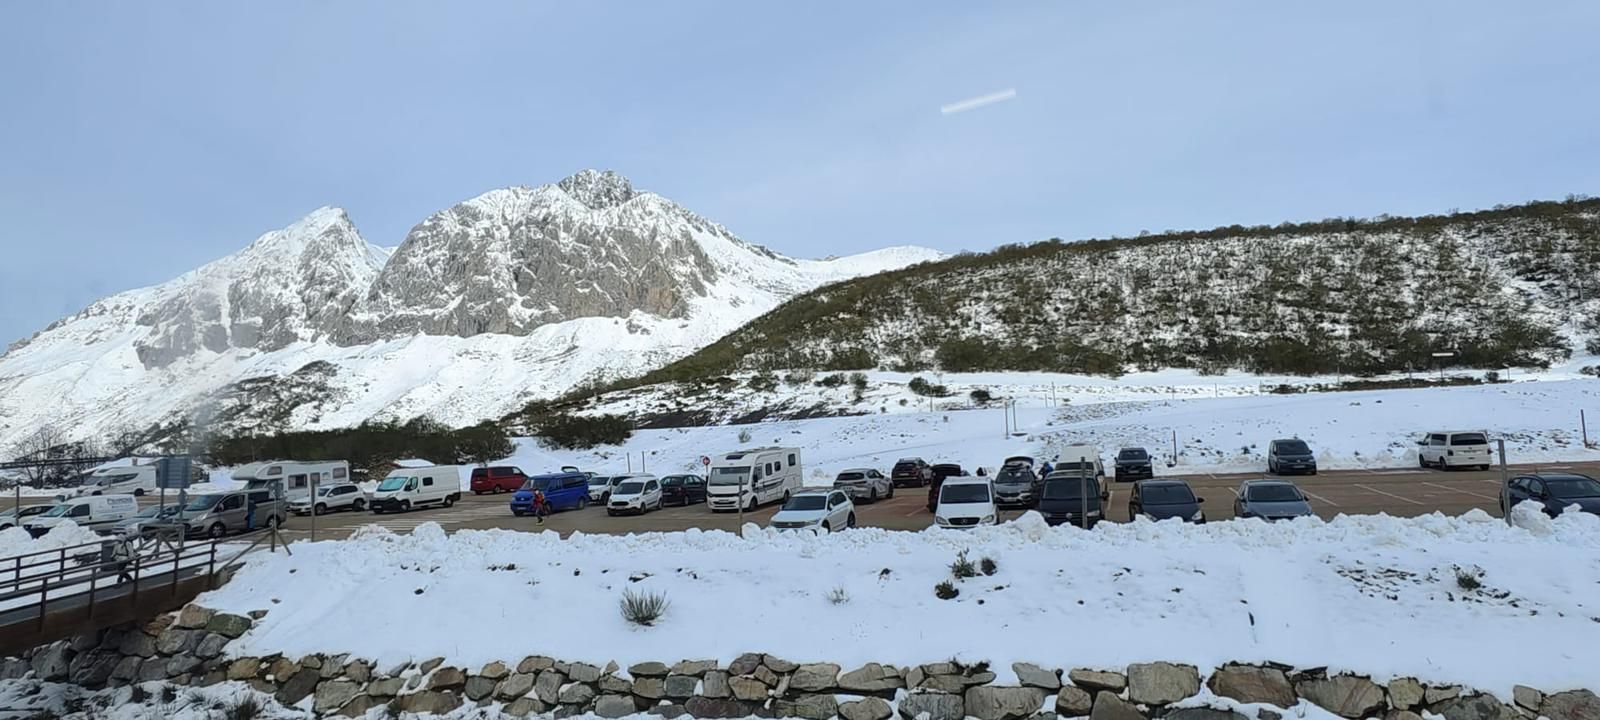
column 1199, row 500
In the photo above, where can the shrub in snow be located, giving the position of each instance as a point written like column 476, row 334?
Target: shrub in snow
column 946, row 590
column 838, row 596
column 1468, row 580
column 988, row 566
column 744, row 436
column 963, row 568
column 643, row 608
column 834, row 380
column 980, row 396
column 247, row 708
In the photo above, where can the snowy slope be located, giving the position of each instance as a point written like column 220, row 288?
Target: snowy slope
column 516, row 294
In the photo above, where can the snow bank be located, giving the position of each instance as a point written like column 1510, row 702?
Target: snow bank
column 1372, row 594
column 16, row 541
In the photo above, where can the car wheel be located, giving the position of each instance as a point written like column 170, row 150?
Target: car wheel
column 610, row 512
column 851, row 522
column 449, row 500
column 826, row 526
column 216, row 531
column 583, row 502
column 358, row 505
column 405, row 506
column 874, row 496
column 320, row 509
column 138, row 492
column 891, row 493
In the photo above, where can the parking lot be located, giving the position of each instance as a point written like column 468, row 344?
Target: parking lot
column 1399, row 492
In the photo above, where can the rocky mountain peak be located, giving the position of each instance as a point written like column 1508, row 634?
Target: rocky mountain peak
column 598, row 189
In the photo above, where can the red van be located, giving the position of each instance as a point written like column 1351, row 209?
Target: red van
column 497, row 479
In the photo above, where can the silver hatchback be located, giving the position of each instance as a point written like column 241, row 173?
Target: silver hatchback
column 864, row 484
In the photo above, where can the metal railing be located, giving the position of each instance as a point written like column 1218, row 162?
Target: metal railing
column 81, row 572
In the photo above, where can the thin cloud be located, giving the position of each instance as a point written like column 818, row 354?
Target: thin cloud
column 978, row 102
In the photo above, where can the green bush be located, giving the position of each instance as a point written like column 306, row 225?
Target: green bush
column 581, row 432
column 922, row 387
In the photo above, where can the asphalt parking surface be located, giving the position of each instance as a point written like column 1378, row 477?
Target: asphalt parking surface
column 1398, row 492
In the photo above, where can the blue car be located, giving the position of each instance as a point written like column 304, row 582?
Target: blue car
column 562, row 491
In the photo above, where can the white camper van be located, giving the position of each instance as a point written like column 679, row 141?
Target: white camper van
column 119, row 480
column 96, row 512
column 753, row 477
column 295, row 476
column 407, row 488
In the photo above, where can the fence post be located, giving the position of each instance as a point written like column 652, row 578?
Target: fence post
column 1505, row 498
column 136, row 565
column 93, row 576
column 44, row 594
column 177, row 558
column 1583, row 423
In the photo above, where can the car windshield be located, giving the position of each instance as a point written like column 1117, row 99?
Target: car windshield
column 1469, row 439
column 1133, row 454
column 672, row 480
column 1573, row 487
column 1067, row 488
column 849, row 476
column 806, row 502
column 393, row 482
column 535, row 483
column 632, row 487
column 599, row 481
column 204, row 502
column 1293, row 447
column 57, row 511
column 964, row 493
column 1272, row 493
column 1166, row 495
column 1014, row 475
column 732, row 475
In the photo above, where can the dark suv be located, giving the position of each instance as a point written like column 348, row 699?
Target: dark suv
column 1133, row 463
column 1161, row 499
column 1067, row 498
column 940, row 472
column 911, row 472
column 1555, row 491
column 1290, row 456
column 497, row 479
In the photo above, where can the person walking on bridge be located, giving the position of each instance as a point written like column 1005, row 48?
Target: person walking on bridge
column 121, row 555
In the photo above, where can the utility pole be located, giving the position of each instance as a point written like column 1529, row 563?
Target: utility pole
column 1583, row 425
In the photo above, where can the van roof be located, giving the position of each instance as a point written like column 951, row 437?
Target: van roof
column 966, row 480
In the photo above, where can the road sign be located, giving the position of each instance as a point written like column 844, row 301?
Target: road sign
column 705, row 460
column 172, row 472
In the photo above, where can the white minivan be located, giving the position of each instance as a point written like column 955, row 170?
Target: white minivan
column 1447, row 449
column 753, row 477
column 408, row 488
column 966, row 501
column 634, row 494
column 96, row 512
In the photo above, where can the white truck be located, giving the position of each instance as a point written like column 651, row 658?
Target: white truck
column 295, row 476
column 407, row 488
column 751, row 478
column 96, row 512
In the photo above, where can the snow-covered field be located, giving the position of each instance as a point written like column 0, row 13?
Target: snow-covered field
column 1216, row 431
column 1372, row 594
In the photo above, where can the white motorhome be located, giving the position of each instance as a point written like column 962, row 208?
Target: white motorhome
column 296, row 477
column 754, row 477
column 407, row 488
column 117, row 480
column 96, row 512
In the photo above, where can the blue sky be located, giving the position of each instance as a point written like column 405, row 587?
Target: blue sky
column 144, row 139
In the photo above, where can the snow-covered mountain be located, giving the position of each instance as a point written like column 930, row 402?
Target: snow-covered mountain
column 514, row 295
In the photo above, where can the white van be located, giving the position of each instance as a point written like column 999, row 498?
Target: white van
column 966, row 501
column 753, row 477
column 1069, row 457
column 1447, row 449
column 120, row 480
column 295, row 476
column 407, row 488
column 96, row 512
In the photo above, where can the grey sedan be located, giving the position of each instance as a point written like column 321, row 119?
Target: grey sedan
column 1270, row 500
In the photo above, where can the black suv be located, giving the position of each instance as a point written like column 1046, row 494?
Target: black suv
column 911, row 472
column 1067, row 497
column 1133, row 463
column 1290, row 456
column 940, row 472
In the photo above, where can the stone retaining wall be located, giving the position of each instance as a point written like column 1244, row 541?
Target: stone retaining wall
column 188, row 648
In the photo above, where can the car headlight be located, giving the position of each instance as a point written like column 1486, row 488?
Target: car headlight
column 942, row 522
column 1198, row 515
column 988, row 519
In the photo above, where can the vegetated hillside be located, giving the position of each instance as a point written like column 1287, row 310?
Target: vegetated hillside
column 1500, row 287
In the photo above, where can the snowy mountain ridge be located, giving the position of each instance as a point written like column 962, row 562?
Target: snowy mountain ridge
column 513, row 295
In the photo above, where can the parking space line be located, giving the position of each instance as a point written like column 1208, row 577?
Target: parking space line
column 1463, row 491
column 1312, row 494
column 1401, row 498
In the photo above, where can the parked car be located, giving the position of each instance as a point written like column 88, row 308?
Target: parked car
column 1073, row 456
column 941, row 471
column 816, row 510
column 408, row 488
column 218, row 515
column 562, row 491
column 116, row 480
column 965, row 501
column 911, row 472
column 1447, row 449
column 9, row 517
column 1018, row 459
column 1270, row 500
column 1292, row 455
column 147, row 521
column 638, row 495
column 344, row 496
column 1071, row 498
column 95, row 512
column 1133, row 463
column 1017, row 485
column 864, row 484
column 683, row 489
column 600, row 488
column 1162, row 499
column 497, row 479
column 1555, row 492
